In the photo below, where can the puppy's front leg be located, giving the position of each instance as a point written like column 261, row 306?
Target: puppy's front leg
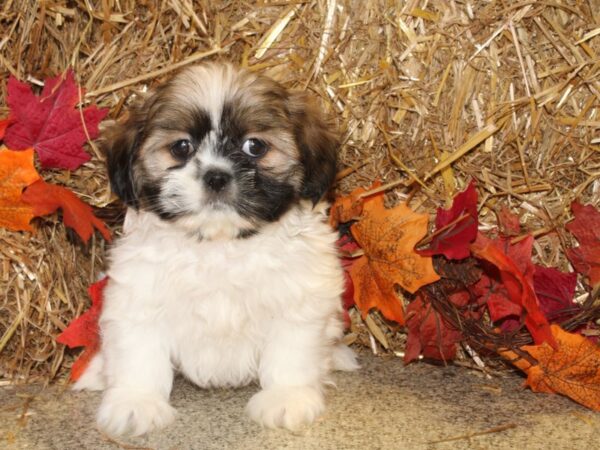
column 291, row 372
column 139, row 377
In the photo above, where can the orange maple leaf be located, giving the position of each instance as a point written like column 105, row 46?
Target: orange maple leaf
column 16, row 172
column 350, row 207
column 572, row 370
column 388, row 238
column 47, row 198
column 373, row 291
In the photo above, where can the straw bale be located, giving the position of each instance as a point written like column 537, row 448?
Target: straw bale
column 428, row 93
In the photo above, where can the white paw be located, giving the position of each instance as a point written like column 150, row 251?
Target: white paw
column 344, row 358
column 286, row 407
column 124, row 411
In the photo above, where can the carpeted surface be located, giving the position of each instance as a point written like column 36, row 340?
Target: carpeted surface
column 385, row 405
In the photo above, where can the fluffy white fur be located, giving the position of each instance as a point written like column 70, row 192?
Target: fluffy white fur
column 224, row 313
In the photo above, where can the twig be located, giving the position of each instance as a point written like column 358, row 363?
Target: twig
column 534, row 233
column 11, row 329
column 25, row 410
column 156, row 73
column 274, row 32
column 427, row 239
column 350, row 170
column 397, row 160
column 471, row 143
column 383, row 188
column 84, row 125
column 508, row 426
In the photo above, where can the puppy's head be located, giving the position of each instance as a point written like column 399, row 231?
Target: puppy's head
column 221, row 152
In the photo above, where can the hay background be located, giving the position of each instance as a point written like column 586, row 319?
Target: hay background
column 408, row 81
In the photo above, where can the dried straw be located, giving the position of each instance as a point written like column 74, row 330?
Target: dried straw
column 429, row 93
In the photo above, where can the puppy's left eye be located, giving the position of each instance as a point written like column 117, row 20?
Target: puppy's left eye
column 254, row 147
column 181, row 149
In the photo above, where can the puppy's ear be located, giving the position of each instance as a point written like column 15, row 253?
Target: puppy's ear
column 318, row 145
column 120, row 143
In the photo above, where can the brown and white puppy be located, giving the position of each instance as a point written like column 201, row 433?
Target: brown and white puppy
column 227, row 270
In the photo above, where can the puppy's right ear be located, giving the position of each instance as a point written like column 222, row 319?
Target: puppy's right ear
column 120, row 142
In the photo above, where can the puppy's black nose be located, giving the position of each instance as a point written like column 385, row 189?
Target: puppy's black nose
column 216, row 179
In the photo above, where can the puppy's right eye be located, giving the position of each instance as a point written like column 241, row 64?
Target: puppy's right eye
column 181, row 149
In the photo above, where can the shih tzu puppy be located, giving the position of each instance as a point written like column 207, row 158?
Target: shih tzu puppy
column 227, row 271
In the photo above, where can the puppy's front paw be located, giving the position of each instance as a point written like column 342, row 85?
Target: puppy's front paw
column 128, row 412
column 286, row 407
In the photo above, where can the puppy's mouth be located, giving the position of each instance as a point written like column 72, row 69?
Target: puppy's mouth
column 218, row 204
column 216, row 217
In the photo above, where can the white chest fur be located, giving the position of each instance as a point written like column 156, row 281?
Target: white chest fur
column 217, row 304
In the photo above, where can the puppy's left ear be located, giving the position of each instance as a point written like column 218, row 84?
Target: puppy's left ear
column 318, row 144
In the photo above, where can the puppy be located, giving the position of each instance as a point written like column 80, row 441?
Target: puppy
column 227, row 271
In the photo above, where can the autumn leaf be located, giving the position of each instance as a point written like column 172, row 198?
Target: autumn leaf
column 508, row 222
column 84, row 331
column 346, row 247
column 491, row 290
column 371, row 290
column 47, row 198
column 572, row 369
column 518, row 286
column 428, row 333
column 388, row 237
column 350, row 207
column 16, row 172
column 3, row 125
column 456, row 227
column 50, row 123
column 585, row 227
column 555, row 291
column 460, row 273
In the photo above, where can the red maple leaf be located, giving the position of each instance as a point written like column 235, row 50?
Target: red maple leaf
column 555, row 291
column 84, row 331
column 586, row 257
column 508, row 222
column 518, row 285
column 428, row 333
column 4, row 123
column 491, row 290
column 456, row 227
column 346, row 247
column 47, row 198
column 50, row 123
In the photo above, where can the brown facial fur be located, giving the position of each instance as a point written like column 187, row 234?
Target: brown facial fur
column 217, row 107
